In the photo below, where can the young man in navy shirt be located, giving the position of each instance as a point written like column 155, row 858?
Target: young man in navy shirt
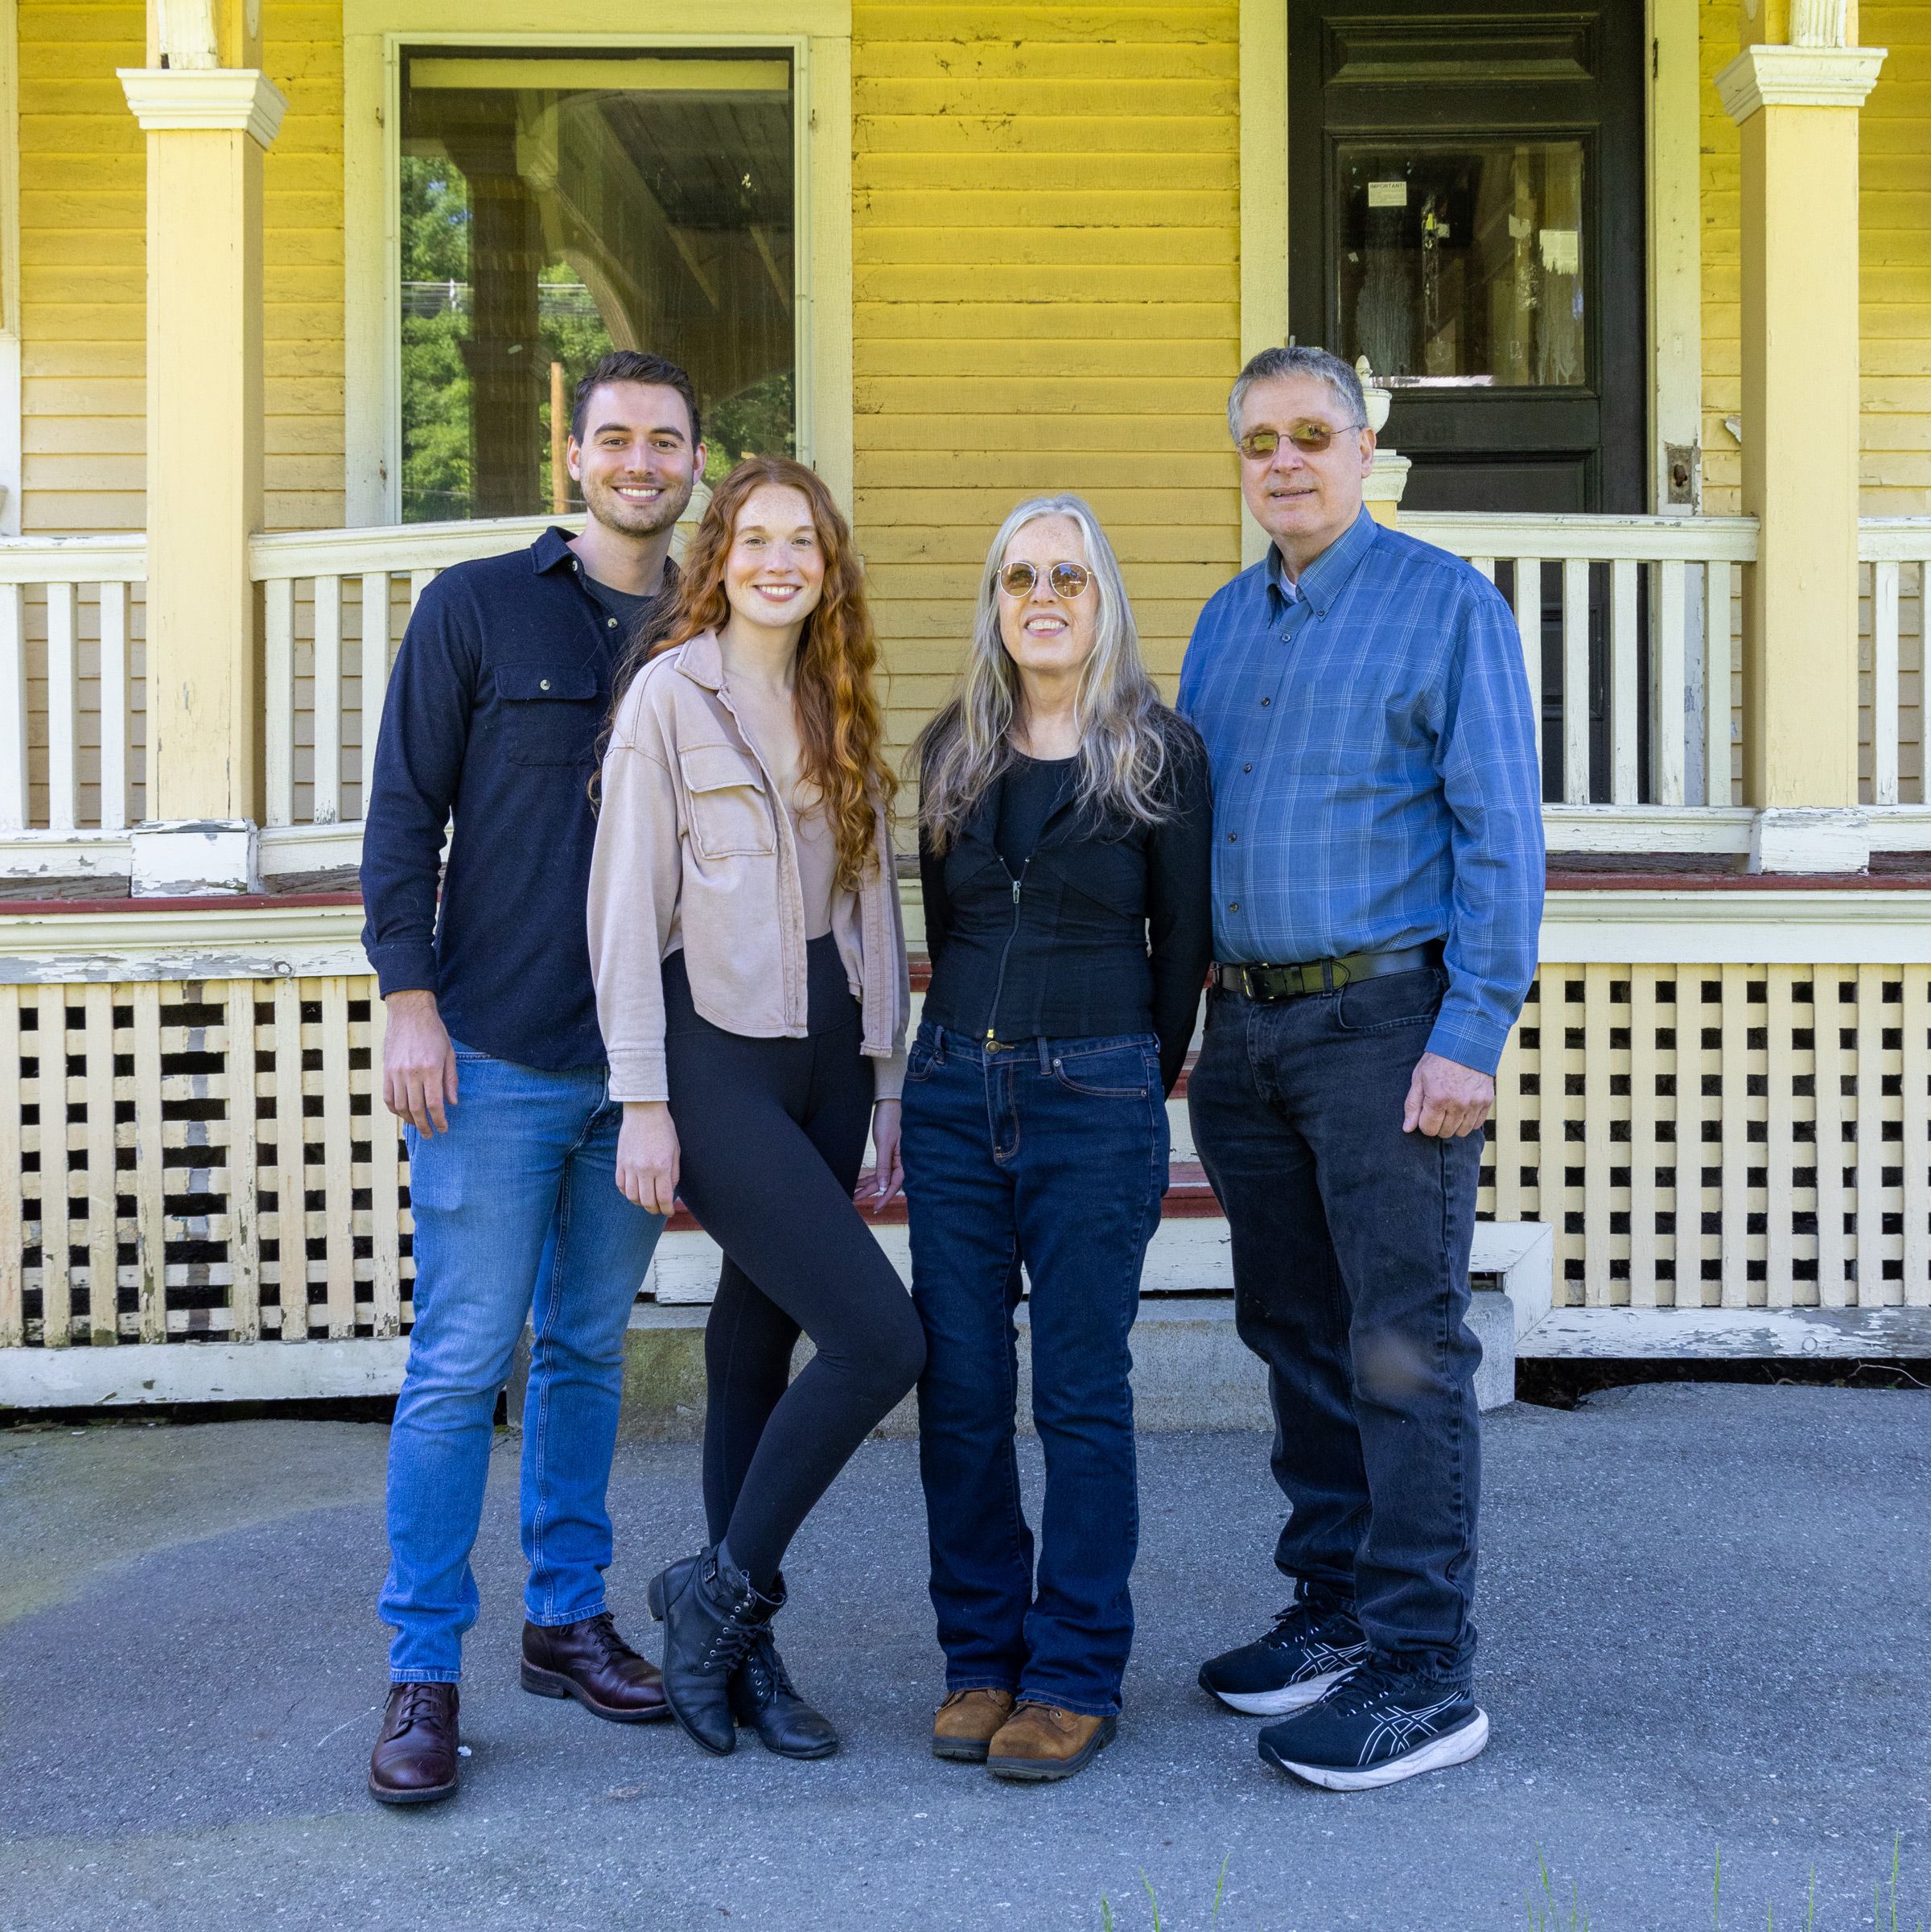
column 492, row 1056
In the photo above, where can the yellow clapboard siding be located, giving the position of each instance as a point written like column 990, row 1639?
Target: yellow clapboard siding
column 83, row 268
column 929, row 358
column 1137, row 321
column 1038, row 285
column 1015, row 247
column 999, row 132
column 1193, row 399
column 1045, row 209
column 1031, row 472
column 1075, row 173
column 1053, row 100
column 1894, row 218
column 1106, row 55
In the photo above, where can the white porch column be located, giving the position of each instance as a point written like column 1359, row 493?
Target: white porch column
column 207, row 126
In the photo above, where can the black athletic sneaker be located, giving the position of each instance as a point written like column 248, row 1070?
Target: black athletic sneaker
column 1378, row 1727
column 1312, row 1646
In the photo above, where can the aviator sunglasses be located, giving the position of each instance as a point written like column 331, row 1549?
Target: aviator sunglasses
column 1309, row 438
column 1068, row 580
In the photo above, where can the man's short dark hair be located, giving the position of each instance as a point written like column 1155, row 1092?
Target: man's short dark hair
column 636, row 365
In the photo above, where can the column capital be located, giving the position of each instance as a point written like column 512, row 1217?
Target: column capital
column 170, row 100
column 1768, row 76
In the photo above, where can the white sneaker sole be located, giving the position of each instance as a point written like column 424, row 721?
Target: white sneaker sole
column 1278, row 1703
column 1455, row 1747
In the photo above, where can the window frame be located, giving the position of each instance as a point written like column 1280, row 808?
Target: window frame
column 816, row 36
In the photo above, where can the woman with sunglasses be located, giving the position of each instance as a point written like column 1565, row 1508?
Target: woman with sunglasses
column 1064, row 827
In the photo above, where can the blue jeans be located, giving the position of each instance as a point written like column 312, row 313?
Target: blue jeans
column 517, row 1203
column 1351, row 1243
column 1053, row 1153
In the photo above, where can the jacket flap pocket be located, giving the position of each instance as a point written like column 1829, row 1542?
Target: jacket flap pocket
column 713, row 767
column 523, row 683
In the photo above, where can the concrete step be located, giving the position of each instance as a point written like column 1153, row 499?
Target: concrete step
column 1190, row 1370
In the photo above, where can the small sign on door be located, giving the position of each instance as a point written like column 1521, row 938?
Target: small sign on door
column 1387, row 194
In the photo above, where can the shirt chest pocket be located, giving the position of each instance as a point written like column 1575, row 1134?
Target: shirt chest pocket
column 730, row 816
column 550, row 713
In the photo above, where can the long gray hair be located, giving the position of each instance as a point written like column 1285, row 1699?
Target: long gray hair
column 1123, row 751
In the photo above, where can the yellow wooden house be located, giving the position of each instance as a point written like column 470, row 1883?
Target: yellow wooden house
column 288, row 291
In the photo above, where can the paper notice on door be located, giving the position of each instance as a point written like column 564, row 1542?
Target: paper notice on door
column 1560, row 254
column 1387, row 194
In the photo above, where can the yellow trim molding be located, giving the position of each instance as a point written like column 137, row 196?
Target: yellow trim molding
column 172, row 100
column 1797, row 76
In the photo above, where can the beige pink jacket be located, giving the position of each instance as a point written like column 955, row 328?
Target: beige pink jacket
column 695, row 847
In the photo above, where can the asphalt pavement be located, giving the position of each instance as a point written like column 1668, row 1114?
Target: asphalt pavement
column 1706, row 1617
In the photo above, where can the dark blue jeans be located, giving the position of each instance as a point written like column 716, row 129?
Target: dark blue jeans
column 1350, row 1245
column 1052, row 1153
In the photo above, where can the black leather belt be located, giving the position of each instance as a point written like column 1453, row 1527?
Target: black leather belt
column 1266, row 983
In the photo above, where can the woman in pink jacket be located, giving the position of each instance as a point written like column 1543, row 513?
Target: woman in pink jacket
column 750, row 975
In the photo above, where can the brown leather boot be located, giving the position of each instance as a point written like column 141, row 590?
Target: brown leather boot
column 415, row 1761
column 1041, row 1742
column 966, row 1722
column 588, row 1661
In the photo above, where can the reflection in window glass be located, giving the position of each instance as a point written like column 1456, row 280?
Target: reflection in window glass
column 554, row 207
column 1463, row 265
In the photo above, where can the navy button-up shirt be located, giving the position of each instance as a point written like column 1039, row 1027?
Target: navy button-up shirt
column 1375, row 779
column 499, row 694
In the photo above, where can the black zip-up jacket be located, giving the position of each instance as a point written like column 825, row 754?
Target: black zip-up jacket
column 1107, row 928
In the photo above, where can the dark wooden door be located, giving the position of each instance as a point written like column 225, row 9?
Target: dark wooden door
column 1466, row 195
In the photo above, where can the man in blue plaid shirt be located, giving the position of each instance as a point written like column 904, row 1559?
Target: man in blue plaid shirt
column 1377, row 883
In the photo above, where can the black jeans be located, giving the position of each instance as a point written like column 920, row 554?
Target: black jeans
column 773, row 1132
column 1350, row 1245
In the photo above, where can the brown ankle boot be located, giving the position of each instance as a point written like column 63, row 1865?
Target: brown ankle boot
column 1041, row 1742
column 415, row 1761
column 965, row 1723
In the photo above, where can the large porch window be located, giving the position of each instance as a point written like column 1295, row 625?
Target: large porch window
column 553, row 206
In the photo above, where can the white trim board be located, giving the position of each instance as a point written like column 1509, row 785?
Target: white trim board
column 211, row 943
column 816, row 34
column 136, row 1374
column 1614, row 1334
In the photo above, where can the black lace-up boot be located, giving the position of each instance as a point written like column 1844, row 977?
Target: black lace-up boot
column 712, row 1616
column 764, row 1699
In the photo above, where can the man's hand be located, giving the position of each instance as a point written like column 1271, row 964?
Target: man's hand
column 886, row 1179
column 418, row 1064
column 647, row 1155
column 1447, row 1099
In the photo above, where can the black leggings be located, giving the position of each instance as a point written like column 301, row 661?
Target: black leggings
column 772, row 1133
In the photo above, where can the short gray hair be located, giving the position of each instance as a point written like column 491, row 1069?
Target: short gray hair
column 1342, row 382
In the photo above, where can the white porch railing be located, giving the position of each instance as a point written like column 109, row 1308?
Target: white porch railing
column 71, row 741
column 1894, row 555
column 1620, row 590
column 1629, row 627
column 334, row 603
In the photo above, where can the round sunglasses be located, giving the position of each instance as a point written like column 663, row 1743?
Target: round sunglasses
column 1066, row 579
column 1309, row 438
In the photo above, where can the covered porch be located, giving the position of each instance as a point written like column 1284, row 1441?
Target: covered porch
column 1717, row 1101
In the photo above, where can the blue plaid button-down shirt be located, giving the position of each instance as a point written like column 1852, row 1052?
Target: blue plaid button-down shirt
column 1375, row 781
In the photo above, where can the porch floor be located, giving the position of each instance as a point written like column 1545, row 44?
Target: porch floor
column 1705, row 1611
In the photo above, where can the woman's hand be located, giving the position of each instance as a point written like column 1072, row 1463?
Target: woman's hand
column 647, row 1156
column 886, row 1179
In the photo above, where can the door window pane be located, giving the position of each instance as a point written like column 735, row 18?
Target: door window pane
column 554, row 207
column 1462, row 265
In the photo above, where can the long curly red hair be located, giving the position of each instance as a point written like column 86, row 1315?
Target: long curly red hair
column 840, row 726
